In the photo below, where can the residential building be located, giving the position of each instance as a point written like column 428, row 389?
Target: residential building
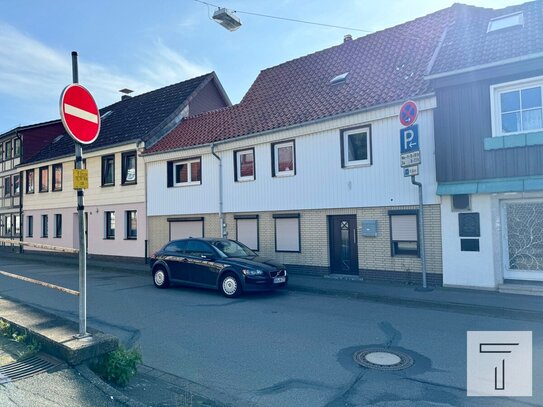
column 17, row 145
column 488, row 80
column 306, row 168
column 115, row 209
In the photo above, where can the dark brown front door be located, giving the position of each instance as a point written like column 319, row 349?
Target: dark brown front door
column 343, row 244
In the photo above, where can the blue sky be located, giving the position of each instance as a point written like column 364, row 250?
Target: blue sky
column 144, row 45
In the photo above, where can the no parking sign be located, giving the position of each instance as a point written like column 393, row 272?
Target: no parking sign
column 408, row 113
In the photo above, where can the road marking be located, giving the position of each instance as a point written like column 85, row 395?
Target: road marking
column 82, row 114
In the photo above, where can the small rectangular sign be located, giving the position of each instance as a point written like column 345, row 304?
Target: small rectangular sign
column 81, row 178
column 409, row 139
column 410, row 159
column 410, row 171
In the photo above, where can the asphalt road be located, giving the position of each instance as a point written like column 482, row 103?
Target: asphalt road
column 280, row 349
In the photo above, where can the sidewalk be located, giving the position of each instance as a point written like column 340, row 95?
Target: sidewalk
column 482, row 302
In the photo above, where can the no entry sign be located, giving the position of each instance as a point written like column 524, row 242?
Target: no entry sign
column 408, row 113
column 79, row 114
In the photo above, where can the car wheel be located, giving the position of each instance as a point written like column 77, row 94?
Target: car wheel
column 160, row 278
column 230, row 286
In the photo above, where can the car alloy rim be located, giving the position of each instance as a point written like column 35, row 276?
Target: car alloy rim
column 229, row 285
column 159, row 277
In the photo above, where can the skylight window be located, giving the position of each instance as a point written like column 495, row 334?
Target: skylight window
column 509, row 20
column 58, row 138
column 339, row 79
column 106, row 114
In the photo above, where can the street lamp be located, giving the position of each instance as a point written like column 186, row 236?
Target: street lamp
column 227, row 18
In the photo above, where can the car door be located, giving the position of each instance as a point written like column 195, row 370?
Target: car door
column 174, row 255
column 203, row 269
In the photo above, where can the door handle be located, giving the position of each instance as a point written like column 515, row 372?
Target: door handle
column 184, row 260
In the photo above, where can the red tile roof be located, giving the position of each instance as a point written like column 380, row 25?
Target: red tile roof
column 384, row 67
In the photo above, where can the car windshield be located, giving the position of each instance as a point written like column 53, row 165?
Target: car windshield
column 233, row 249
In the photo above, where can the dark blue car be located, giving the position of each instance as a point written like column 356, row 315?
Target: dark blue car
column 222, row 264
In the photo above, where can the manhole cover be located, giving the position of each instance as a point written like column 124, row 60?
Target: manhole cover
column 383, row 359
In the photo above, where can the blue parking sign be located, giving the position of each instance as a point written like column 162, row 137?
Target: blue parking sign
column 409, row 139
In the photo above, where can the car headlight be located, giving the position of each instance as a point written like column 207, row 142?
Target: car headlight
column 249, row 272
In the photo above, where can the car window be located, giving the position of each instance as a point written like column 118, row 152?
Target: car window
column 176, row 247
column 231, row 248
column 197, row 248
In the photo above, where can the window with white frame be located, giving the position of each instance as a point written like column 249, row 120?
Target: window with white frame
column 404, row 233
column 287, row 232
column 247, row 231
column 284, row 159
column 517, row 107
column 245, row 165
column 356, row 146
column 187, row 172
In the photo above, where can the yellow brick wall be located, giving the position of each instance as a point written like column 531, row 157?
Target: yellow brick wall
column 373, row 252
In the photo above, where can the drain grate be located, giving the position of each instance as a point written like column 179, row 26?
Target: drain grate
column 26, row 368
column 383, row 359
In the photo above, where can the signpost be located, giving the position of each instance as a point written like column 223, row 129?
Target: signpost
column 409, row 161
column 81, row 119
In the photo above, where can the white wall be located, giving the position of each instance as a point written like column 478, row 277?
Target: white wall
column 319, row 183
column 471, row 269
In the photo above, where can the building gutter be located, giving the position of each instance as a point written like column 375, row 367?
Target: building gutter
column 291, row 127
column 221, row 215
column 483, row 66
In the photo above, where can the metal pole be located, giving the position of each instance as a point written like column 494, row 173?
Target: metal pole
column 81, row 217
column 421, row 232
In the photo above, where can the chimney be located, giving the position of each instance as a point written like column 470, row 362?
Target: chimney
column 126, row 93
column 347, row 37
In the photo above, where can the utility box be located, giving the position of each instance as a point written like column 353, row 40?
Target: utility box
column 369, row 228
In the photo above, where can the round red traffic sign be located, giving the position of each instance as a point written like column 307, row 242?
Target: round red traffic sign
column 408, row 113
column 79, row 114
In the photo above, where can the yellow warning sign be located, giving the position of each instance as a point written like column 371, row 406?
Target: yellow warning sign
column 81, row 179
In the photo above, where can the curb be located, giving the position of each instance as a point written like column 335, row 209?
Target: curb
column 105, row 388
column 487, row 310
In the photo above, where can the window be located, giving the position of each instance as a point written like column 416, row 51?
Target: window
column 283, row 159
column 404, row 232
column 8, row 150
column 356, row 147
column 176, row 247
column 129, row 168
column 131, row 225
column 517, row 107
column 17, row 147
column 244, row 165
column 57, row 177
column 7, row 186
column 58, row 225
column 16, row 185
column 509, row 20
column 44, row 179
column 197, row 248
column 17, row 224
column 44, row 226
column 7, row 223
column 30, row 227
column 108, row 170
column 287, row 232
column 187, row 172
column 110, row 225
column 247, row 231
column 30, row 181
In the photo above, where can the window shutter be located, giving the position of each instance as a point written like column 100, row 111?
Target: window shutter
column 170, row 174
column 404, row 228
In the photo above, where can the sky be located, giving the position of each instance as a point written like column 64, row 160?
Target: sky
column 145, row 45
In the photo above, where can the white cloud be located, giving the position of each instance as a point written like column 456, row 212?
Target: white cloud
column 33, row 75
